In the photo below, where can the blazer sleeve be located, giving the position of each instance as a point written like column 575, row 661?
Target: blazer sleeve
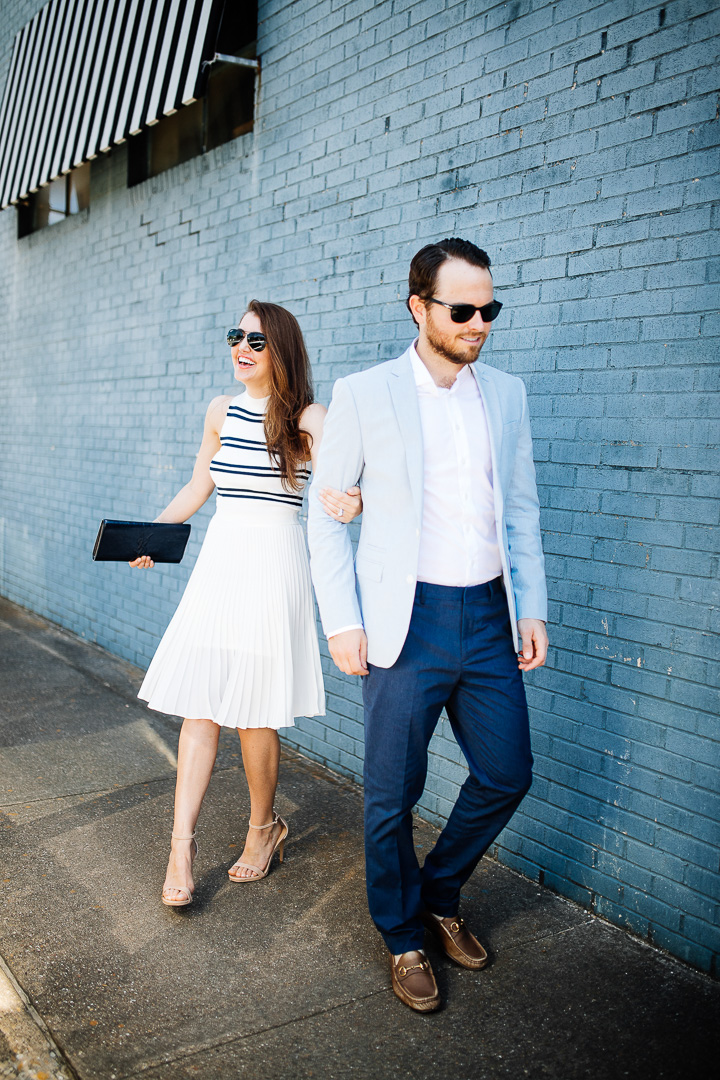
column 340, row 465
column 522, row 521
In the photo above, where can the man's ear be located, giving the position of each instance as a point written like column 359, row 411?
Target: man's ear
column 416, row 306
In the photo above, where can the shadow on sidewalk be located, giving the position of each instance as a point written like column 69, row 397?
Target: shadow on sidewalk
column 285, row 977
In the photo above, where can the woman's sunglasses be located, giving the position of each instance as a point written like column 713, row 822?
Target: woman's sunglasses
column 461, row 313
column 255, row 339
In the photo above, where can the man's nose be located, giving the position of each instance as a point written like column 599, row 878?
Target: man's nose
column 476, row 323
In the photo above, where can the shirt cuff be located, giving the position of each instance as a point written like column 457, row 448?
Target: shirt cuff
column 355, row 626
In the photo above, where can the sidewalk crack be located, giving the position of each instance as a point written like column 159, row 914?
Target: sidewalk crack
column 230, row 1039
column 549, row 937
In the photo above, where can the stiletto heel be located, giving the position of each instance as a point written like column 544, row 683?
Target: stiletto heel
column 188, row 898
column 259, row 872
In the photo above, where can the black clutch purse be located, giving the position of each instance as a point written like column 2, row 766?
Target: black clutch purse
column 125, row 541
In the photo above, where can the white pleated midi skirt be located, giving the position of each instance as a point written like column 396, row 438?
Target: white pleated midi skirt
column 242, row 647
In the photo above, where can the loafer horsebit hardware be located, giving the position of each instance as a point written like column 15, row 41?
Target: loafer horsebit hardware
column 403, row 971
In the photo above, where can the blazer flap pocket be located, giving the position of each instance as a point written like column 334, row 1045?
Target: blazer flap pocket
column 510, row 425
column 366, row 566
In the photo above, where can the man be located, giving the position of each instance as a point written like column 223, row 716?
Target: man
column 448, row 580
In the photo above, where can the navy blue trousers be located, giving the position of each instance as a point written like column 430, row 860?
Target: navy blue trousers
column 459, row 655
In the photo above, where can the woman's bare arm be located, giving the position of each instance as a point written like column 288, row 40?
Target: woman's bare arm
column 311, row 422
column 345, row 506
column 200, row 487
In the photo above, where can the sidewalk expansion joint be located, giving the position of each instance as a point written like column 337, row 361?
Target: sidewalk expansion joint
column 549, row 937
column 110, row 791
column 230, row 1039
column 59, row 798
column 91, row 794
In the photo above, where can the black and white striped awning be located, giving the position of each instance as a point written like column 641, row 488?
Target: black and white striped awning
column 85, row 74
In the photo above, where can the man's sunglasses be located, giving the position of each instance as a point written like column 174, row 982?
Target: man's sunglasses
column 255, row 339
column 461, row 313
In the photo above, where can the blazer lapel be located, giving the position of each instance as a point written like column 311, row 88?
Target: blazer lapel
column 401, row 381
column 493, row 415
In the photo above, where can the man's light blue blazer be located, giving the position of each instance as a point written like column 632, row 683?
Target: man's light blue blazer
column 373, row 437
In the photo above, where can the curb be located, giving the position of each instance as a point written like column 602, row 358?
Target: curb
column 27, row 1049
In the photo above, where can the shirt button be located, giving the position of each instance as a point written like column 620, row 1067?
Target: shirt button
column 417, row 532
column 410, row 579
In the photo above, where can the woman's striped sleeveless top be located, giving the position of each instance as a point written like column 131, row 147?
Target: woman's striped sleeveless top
column 243, row 468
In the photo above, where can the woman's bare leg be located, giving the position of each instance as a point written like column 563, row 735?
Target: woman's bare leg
column 197, row 751
column 261, row 759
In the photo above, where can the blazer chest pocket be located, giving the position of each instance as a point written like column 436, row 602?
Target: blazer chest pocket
column 367, row 567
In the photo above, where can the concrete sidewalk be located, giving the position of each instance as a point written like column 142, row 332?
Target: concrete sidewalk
column 285, row 978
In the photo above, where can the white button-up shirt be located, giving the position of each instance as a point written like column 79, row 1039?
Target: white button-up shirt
column 458, row 538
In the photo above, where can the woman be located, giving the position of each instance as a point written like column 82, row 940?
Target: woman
column 241, row 650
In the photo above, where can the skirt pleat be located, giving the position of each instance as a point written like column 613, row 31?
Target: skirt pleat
column 242, row 648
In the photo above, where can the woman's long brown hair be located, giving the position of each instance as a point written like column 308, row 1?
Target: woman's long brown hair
column 291, row 391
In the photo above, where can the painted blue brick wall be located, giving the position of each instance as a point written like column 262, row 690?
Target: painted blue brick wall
column 577, row 143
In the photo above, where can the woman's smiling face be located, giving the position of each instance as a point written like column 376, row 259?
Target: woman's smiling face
column 250, row 367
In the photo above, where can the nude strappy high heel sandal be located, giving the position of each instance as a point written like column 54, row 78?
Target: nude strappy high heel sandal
column 279, row 847
column 188, row 897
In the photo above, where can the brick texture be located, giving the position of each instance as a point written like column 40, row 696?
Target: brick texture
column 576, row 142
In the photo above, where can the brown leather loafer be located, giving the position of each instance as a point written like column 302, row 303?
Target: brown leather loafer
column 414, row 983
column 454, row 937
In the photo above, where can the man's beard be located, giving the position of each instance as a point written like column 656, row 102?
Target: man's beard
column 447, row 346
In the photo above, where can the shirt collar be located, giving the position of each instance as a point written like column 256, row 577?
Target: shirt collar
column 425, row 382
column 422, row 375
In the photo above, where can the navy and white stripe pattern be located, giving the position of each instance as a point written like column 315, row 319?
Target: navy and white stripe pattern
column 243, row 468
column 85, row 74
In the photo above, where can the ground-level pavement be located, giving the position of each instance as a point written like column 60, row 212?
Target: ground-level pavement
column 285, row 977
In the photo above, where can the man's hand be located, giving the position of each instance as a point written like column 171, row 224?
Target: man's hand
column 349, row 651
column 534, row 644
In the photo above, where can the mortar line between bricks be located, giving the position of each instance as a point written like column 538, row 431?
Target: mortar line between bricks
column 229, row 1040
column 619, row 859
column 644, row 817
column 645, row 694
column 621, row 666
column 640, row 742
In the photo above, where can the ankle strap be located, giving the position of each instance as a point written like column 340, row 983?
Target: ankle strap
column 176, row 836
column 268, row 826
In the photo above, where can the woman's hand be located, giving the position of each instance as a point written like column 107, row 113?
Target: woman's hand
column 144, row 563
column 344, row 506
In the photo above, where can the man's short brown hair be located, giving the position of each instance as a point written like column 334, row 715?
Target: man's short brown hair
column 425, row 265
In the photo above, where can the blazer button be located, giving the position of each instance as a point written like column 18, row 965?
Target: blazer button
column 410, row 579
